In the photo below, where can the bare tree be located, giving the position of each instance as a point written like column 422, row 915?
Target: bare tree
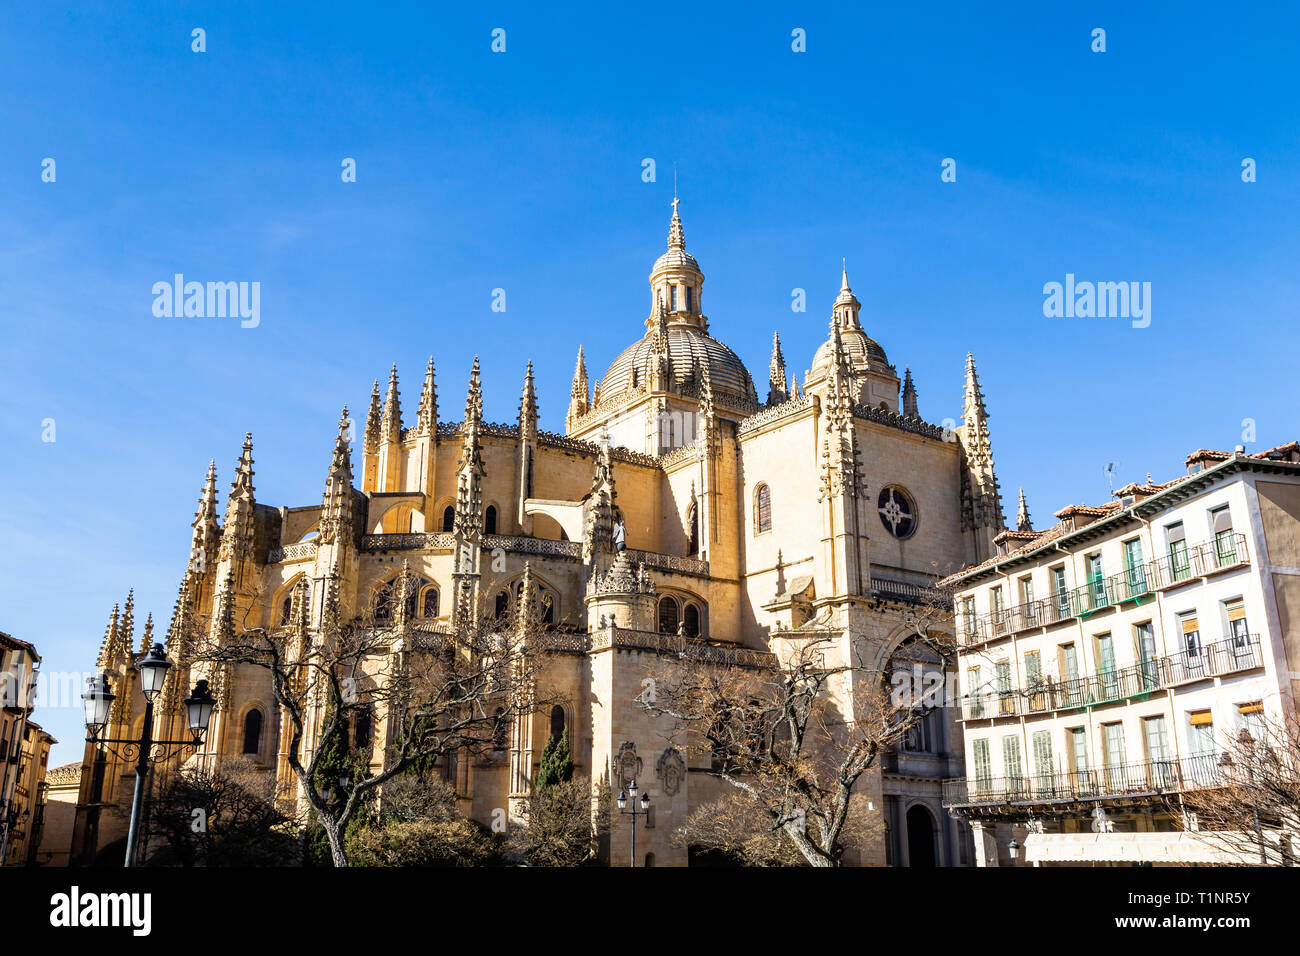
column 1249, row 804
column 433, row 694
column 794, row 742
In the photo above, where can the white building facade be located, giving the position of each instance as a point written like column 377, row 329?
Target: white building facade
column 1107, row 662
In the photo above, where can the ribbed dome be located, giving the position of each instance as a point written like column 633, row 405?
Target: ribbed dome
column 688, row 347
column 864, row 353
column 675, row 260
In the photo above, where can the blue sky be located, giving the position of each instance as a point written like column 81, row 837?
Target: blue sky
column 522, row 171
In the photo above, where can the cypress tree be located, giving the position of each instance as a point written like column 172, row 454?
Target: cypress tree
column 556, row 764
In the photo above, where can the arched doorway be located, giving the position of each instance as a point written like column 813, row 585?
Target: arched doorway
column 920, row 837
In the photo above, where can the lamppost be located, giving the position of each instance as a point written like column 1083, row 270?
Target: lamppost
column 98, row 701
column 623, row 799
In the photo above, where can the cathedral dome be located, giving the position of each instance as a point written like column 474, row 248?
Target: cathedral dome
column 864, row 353
column 690, row 349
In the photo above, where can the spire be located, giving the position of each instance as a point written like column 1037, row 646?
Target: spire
column 108, row 647
column 470, row 471
column 1022, row 515
column 176, row 630
column 660, row 359
column 336, row 513
column 237, row 531
column 528, row 407
column 390, row 424
column 981, row 499
column 128, row 623
column 206, row 537
column 845, row 313
column 909, row 396
column 146, row 639
column 676, row 237
column 426, row 421
column 776, row 393
column 371, row 438
column 579, row 395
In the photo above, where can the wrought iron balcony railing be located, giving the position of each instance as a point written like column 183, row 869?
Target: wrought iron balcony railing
column 1149, row 778
column 1132, row 584
column 1231, row 655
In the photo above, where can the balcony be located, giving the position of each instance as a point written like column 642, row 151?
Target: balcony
column 1232, row 655
column 1150, row 778
column 1181, row 567
column 1133, row 584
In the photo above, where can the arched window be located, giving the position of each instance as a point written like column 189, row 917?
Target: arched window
column 762, row 509
column 691, row 621
column 364, row 729
column 548, row 607
column 253, row 732
column 500, row 730
column 490, row 520
column 430, row 606
column 502, row 603
column 557, row 722
column 668, row 615
column 693, row 535
column 286, row 608
column 448, row 518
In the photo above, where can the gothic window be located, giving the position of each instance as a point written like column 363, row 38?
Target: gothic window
column 500, row 730
column 548, row 607
column 490, row 520
column 897, row 512
column 762, row 509
column 668, row 616
column 286, row 608
column 361, row 735
column 557, row 722
column 693, row 536
column 253, row 732
column 448, row 518
column 691, row 621
column 502, row 603
column 429, row 606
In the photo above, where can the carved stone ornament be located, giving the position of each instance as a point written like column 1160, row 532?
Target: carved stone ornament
column 671, row 769
column 627, row 765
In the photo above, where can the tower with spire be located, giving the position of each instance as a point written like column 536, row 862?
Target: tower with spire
column 981, row 499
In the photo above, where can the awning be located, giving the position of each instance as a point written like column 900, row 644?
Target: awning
column 1176, row 847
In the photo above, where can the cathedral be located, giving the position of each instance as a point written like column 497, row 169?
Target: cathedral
column 679, row 514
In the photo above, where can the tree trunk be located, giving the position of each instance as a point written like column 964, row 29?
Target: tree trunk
column 334, row 833
column 804, row 846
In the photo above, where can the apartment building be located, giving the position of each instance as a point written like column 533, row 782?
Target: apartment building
column 20, row 745
column 1106, row 663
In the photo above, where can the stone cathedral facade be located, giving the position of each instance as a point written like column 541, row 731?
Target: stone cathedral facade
column 681, row 515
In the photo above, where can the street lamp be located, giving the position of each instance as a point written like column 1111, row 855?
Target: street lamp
column 623, row 799
column 98, row 700
column 1014, row 847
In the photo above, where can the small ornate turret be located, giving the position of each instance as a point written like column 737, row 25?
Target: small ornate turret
column 206, row 537
column 426, row 421
column 390, row 423
column 528, row 407
column 981, row 498
column 579, row 396
column 776, row 392
column 909, row 395
column 237, row 531
column 370, row 440
column 1022, row 515
column 336, row 510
